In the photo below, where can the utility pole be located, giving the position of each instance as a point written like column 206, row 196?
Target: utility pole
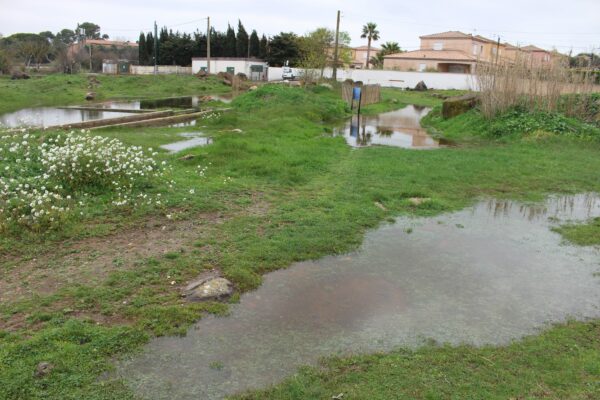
column 155, row 49
column 335, row 50
column 208, row 45
column 497, row 49
column 90, row 46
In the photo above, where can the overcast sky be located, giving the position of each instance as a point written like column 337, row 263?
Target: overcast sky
column 546, row 23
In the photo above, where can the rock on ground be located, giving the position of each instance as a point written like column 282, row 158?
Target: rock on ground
column 43, row 369
column 458, row 105
column 208, row 286
column 421, row 86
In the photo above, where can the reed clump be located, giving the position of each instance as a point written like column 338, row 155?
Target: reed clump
column 536, row 87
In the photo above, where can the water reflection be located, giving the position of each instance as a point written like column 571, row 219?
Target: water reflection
column 487, row 274
column 45, row 117
column 50, row 116
column 400, row 128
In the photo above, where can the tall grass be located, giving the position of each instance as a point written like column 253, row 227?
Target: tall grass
column 549, row 87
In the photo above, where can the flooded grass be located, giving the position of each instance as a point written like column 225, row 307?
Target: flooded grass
column 503, row 275
column 582, row 234
column 400, row 128
column 196, row 140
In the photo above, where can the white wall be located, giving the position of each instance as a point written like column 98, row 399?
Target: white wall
column 220, row 65
column 162, row 69
column 399, row 79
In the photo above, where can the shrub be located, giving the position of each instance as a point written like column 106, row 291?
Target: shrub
column 518, row 121
column 43, row 179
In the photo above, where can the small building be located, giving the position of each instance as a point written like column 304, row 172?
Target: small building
column 255, row 69
column 116, row 67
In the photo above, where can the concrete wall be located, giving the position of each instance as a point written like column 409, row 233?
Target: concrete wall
column 162, row 70
column 400, row 79
column 239, row 65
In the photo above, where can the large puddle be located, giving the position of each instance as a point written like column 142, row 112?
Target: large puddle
column 484, row 275
column 400, row 128
column 51, row 116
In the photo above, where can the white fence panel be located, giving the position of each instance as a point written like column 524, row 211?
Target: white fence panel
column 399, row 79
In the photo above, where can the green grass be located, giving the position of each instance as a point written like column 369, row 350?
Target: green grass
column 562, row 363
column 280, row 191
column 56, row 90
column 587, row 234
column 510, row 126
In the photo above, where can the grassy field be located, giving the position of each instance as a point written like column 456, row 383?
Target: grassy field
column 274, row 188
column 60, row 90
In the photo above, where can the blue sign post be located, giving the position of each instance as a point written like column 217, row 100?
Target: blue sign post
column 356, row 95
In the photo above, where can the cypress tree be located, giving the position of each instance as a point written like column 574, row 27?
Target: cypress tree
column 229, row 48
column 142, row 52
column 241, row 41
column 263, row 50
column 149, row 49
column 254, row 44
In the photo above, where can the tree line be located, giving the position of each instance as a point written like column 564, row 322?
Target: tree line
column 175, row 48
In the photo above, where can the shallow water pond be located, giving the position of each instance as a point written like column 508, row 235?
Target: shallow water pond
column 399, row 128
column 485, row 275
column 53, row 116
column 47, row 116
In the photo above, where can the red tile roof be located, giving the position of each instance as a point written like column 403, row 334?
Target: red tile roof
column 100, row 42
column 456, row 35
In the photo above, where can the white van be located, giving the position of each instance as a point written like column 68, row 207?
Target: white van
column 288, row 73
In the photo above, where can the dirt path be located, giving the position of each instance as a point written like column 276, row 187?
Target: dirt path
column 92, row 260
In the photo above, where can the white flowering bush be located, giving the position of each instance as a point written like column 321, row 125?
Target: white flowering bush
column 41, row 176
column 95, row 162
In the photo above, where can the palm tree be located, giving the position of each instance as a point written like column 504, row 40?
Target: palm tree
column 386, row 48
column 390, row 48
column 370, row 33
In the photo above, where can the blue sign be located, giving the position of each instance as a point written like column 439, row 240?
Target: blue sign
column 356, row 93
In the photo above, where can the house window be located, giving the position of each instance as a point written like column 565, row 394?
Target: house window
column 422, row 67
column 475, row 48
column 438, row 46
column 494, row 50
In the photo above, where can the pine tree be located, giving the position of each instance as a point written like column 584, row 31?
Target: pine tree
column 242, row 41
column 229, row 48
column 263, row 49
column 254, row 44
column 142, row 51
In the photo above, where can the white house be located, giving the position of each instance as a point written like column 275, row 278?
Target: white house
column 254, row 68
